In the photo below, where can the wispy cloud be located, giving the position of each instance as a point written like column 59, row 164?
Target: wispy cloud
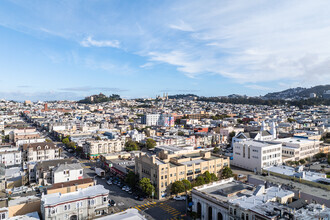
column 89, row 42
column 181, row 26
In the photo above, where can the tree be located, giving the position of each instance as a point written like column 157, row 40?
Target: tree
column 200, row 181
column 65, row 141
column 150, row 143
column 231, row 135
column 216, row 150
column 131, row 145
column 214, row 177
column 131, row 178
column 48, row 140
column 302, row 161
column 146, row 186
column 226, row 173
column 71, row 144
column 97, row 138
column 180, row 133
column 207, row 177
column 177, row 187
column 187, row 184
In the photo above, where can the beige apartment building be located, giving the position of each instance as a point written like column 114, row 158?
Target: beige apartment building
column 95, row 148
column 37, row 152
column 165, row 168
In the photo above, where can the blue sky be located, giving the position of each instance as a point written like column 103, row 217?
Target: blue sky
column 70, row 49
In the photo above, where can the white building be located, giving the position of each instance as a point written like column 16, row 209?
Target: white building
column 10, row 155
column 150, row 119
column 85, row 203
column 228, row 200
column 255, row 155
column 95, row 148
column 158, row 120
column 67, row 172
column 40, row 151
column 136, row 136
column 298, row 148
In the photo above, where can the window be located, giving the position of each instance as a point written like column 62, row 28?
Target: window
column 104, row 199
column 65, row 207
column 81, row 172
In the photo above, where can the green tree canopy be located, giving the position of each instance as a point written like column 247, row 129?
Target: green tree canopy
column 200, row 181
column 131, row 178
column 207, row 177
column 177, row 187
column 226, row 173
column 146, row 186
column 187, row 184
column 65, row 141
column 214, row 177
column 150, row 143
column 131, row 146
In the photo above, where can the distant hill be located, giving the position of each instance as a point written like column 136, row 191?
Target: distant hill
column 181, row 96
column 298, row 93
column 99, row 98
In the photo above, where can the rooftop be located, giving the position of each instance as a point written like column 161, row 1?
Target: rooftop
column 55, row 198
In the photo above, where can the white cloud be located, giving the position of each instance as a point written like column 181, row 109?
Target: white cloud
column 89, row 42
column 182, row 26
column 250, row 42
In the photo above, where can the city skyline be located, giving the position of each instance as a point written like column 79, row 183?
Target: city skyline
column 72, row 49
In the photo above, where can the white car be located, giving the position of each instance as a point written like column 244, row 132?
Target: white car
column 179, row 198
column 109, row 182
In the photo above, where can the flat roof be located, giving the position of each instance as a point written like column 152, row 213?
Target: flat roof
column 220, row 190
column 55, row 198
column 259, row 144
column 319, row 192
column 290, row 171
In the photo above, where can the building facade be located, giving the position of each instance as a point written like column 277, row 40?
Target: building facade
column 255, row 155
column 40, row 151
column 67, row 172
column 85, row 203
column 10, row 155
column 165, row 168
column 298, row 148
column 95, row 148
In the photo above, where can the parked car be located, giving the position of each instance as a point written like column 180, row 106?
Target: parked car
column 112, row 202
column 179, row 198
column 109, row 182
column 130, row 192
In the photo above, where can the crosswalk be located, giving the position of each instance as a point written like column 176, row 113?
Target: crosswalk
column 175, row 213
column 172, row 211
column 145, row 206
